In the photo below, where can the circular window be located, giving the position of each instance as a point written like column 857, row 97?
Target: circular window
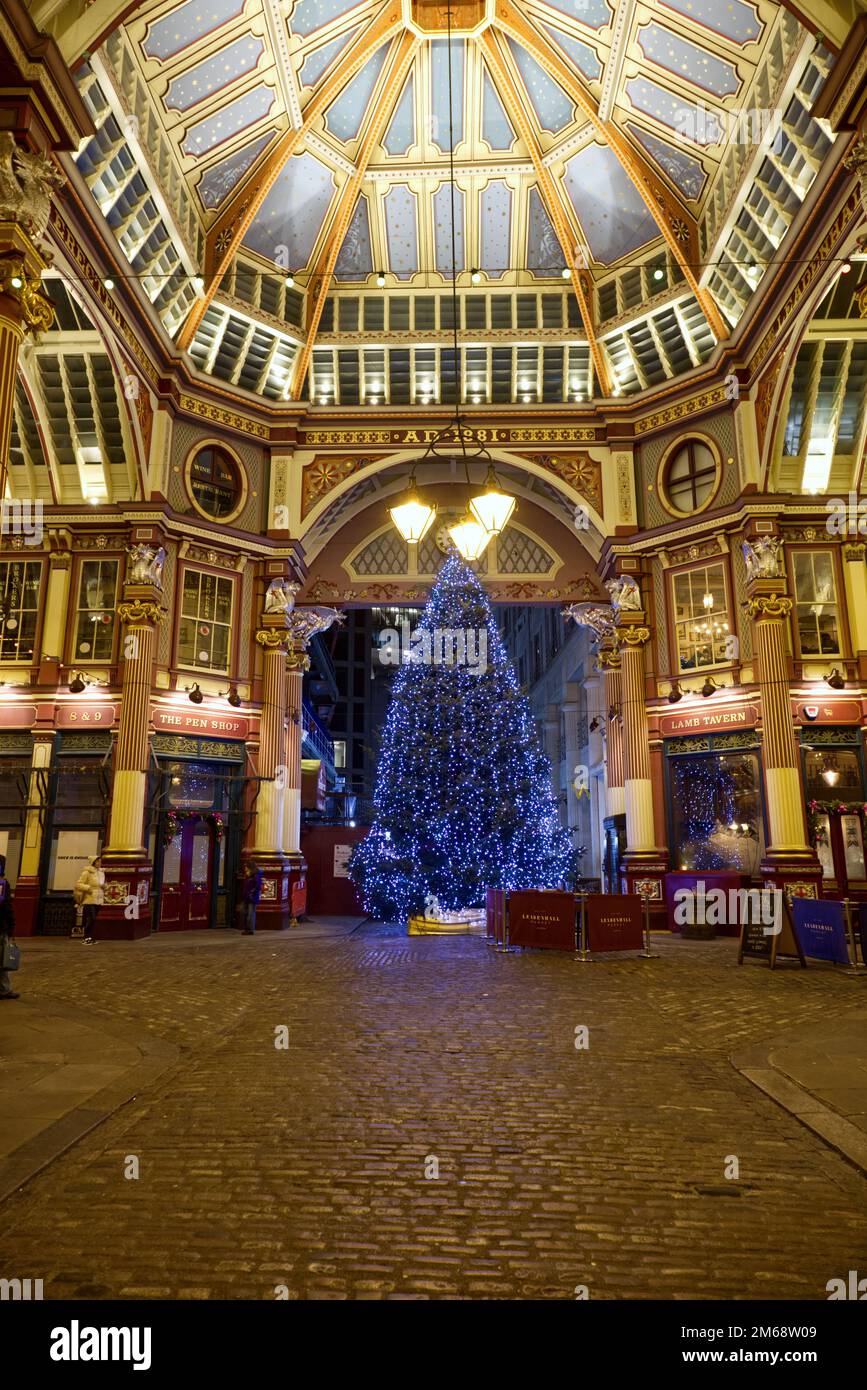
column 215, row 482
column 690, row 477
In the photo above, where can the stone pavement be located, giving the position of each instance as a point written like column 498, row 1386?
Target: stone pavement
column 367, row 1116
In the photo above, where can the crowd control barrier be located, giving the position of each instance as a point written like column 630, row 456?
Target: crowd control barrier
column 554, row 920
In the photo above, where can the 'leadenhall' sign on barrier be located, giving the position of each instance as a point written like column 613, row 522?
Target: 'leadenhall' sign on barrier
column 542, row 918
column 180, row 721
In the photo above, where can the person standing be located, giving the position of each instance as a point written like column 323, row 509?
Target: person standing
column 251, row 892
column 7, row 930
column 89, row 893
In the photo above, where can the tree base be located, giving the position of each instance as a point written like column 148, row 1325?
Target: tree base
column 470, row 922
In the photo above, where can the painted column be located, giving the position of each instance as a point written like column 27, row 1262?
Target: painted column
column 27, row 889
column 297, row 662
column 608, row 661
column 29, row 182
column 54, row 624
column 790, row 862
column 645, row 864
column 125, row 914
column 855, row 580
column 570, row 727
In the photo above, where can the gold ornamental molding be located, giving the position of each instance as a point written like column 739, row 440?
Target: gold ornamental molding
column 608, row 659
column 139, row 612
column 218, row 415
column 769, row 607
column 717, row 395
column 297, row 659
column 272, row 638
column 855, row 551
column 531, row 434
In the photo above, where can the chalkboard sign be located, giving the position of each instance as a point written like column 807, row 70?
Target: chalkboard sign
column 757, row 943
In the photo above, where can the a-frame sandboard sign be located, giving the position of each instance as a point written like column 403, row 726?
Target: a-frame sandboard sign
column 756, row 943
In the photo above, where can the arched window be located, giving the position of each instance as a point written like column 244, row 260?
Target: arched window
column 215, row 481
column 689, row 479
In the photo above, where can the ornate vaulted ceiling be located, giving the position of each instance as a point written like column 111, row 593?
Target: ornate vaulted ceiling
column 598, row 147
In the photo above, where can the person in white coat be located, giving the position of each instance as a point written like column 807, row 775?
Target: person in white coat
column 89, row 893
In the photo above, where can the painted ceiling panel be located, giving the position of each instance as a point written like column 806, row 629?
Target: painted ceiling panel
column 401, row 132
column 594, row 13
column 344, row 116
column 401, row 226
column 439, row 63
column 442, row 207
column 544, row 253
column 553, row 108
column 583, row 56
column 188, row 23
column 684, row 170
column 495, row 229
column 496, row 127
column 228, row 121
column 695, row 123
column 608, row 206
column 355, row 261
column 688, row 61
column 219, row 181
column 287, row 224
column 731, row 18
column 310, row 15
column 201, row 81
column 317, row 63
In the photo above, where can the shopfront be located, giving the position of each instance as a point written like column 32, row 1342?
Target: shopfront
column 833, row 771
column 16, row 753
column 76, row 821
column 714, row 802
column 199, row 814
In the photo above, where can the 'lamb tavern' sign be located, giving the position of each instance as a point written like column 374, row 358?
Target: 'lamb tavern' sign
column 707, row 721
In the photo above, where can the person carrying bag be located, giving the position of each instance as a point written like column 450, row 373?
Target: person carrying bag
column 10, row 957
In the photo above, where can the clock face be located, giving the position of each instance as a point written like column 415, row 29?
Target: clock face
column 443, row 539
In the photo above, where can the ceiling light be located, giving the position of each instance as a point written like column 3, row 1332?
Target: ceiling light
column 493, row 508
column 412, row 515
column 380, row 278
column 198, row 283
column 659, row 273
column 566, row 272
column 475, row 276
column 835, row 680
column 194, row 694
column 470, row 537
column 290, row 280
column 108, row 282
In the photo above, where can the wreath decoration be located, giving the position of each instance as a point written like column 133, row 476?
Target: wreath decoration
column 175, row 820
column 818, row 809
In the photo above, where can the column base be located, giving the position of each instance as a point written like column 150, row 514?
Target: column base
column 643, row 872
column 284, row 889
column 797, row 872
column 25, row 905
column 125, row 914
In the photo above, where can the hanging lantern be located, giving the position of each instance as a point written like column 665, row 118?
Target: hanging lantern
column 412, row 516
column 470, row 537
column 493, row 507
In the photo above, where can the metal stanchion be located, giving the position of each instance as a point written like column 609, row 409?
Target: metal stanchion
column 647, row 954
column 583, row 956
column 853, row 968
column 505, row 948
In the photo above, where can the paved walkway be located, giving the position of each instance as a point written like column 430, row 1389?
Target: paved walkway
column 366, row 1116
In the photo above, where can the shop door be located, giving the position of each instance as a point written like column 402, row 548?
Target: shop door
column 188, row 866
column 840, row 847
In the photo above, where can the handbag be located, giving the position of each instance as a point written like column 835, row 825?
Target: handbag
column 10, row 956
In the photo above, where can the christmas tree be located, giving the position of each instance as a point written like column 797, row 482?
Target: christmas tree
column 463, row 798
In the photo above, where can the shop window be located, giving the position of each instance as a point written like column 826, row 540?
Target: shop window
column 191, row 787
column 701, row 618
column 690, row 477
column 833, row 778
column 19, row 597
column 816, row 603
column 215, row 482
column 716, row 812
column 204, row 635
column 95, row 610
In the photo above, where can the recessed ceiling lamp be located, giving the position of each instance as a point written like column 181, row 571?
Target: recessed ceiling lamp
column 412, row 515
column 380, row 278
column 290, row 280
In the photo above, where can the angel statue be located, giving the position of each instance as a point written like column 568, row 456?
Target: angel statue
column 280, row 595
column 145, row 565
column 625, row 594
column 763, row 558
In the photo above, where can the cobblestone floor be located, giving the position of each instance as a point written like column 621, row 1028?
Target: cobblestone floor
column 305, row 1166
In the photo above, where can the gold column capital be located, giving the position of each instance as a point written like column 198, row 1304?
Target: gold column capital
column 855, row 551
column 769, row 607
column 297, row 659
column 608, row 659
column 138, row 611
column 272, row 638
column 634, row 635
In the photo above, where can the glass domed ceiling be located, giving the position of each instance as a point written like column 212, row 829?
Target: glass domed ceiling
column 313, row 138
